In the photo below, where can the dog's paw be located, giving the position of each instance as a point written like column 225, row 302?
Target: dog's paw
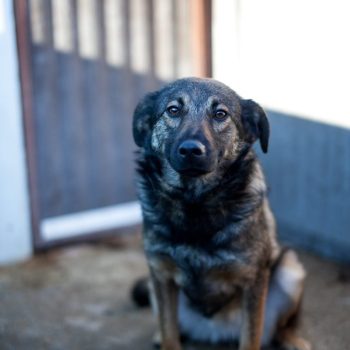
column 157, row 343
column 296, row 344
column 157, row 340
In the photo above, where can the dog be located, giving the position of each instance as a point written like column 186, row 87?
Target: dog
column 217, row 272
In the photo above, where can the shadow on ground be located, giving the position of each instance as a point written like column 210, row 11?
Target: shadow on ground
column 78, row 298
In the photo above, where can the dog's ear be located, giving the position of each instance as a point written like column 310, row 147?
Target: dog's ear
column 255, row 123
column 143, row 119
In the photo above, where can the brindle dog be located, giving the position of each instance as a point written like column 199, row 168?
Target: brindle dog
column 217, row 271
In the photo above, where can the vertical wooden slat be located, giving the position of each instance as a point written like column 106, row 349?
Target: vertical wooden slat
column 184, row 61
column 127, row 34
column 115, row 36
column 37, row 25
column 151, row 40
column 62, row 25
column 201, row 31
column 163, row 32
column 175, row 39
column 75, row 36
column 88, row 29
column 139, row 36
column 101, row 29
column 25, row 57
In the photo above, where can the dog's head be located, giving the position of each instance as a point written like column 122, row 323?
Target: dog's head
column 198, row 124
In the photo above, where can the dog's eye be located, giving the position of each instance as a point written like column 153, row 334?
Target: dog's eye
column 220, row 114
column 173, row 110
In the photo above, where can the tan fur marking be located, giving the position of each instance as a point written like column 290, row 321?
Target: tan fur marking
column 253, row 313
column 164, row 268
column 167, row 298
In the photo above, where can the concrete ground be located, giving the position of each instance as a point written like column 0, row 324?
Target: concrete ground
column 78, row 298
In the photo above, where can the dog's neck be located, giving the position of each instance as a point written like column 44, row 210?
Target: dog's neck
column 231, row 197
column 230, row 183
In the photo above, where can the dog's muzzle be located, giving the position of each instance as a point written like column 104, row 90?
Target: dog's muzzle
column 191, row 150
column 191, row 158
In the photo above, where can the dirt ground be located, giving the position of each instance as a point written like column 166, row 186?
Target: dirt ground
column 78, row 298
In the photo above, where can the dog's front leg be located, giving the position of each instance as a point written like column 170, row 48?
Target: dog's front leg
column 166, row 293
column 253, row 312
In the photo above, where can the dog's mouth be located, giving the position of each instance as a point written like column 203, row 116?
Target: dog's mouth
column 193, row 172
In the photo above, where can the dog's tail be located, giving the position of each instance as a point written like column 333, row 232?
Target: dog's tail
column 140, row 293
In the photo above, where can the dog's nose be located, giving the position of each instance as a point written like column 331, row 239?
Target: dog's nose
column 191, row 148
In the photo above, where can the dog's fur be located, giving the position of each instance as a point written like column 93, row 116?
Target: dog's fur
column 217, row 271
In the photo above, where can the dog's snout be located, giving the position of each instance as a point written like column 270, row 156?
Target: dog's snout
column 192, row 157
column 191, row 148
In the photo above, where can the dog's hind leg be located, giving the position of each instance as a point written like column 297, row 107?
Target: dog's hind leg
column 283, row 304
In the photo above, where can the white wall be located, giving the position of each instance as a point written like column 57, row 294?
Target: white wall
column 15, row 234
column 290, row 55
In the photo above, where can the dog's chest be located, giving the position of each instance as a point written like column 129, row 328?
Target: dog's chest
column 193, row 223
column 209, row 279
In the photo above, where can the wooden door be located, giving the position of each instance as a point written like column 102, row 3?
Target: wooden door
column 84, row 65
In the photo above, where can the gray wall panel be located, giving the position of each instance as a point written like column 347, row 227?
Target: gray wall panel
column 308, row 171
